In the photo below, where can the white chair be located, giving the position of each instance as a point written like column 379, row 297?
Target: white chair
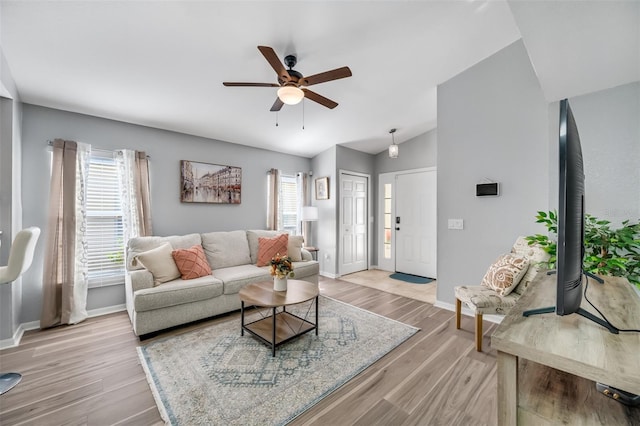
column 20, row 258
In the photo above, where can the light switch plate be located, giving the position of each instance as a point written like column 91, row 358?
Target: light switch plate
column 456, row 224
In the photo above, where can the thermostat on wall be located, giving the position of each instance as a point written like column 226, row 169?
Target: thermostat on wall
column 484, row 189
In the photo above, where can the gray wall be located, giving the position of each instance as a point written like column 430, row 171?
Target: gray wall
column 324, row 231
column 416, row 153
column 609, row 126
column 10, row 195
column 492, row 123
column 356, row 161
column 166, row 149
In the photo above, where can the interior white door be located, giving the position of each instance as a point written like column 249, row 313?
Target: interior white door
column 416, row 223
column 353, row 223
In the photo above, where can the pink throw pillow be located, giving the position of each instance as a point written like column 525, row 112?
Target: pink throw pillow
column 269, row 247
column 192, row 262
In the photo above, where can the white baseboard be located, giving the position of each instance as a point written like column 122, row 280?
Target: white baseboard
column 106, row 311
column 328, row 275
column 468, row 312
column 34, row 325
column 17, row 336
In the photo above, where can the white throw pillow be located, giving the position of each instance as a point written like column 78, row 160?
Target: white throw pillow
column 160, row 263
column 505, row 273
column 294, row 248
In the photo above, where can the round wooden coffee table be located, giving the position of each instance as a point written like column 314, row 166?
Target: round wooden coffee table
column 282, row 326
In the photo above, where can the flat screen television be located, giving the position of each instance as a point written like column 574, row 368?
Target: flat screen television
column 570, row 247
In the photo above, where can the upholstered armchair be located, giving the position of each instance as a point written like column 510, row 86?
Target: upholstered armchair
column 483, row 299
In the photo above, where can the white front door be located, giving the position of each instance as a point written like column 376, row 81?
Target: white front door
column 416, row 223
column 353, row 223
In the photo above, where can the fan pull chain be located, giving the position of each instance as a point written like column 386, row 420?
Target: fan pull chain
column 276, row 118
column 302, row 113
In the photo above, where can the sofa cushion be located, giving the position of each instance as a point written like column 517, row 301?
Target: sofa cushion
column 160, row 263
column 177, row 292
column 137, row 245
column 268, row 248
column 236, row 277
column 293, row 248
column 225, row 249
column 505, row 273
column 252, row 239
column 192, row 262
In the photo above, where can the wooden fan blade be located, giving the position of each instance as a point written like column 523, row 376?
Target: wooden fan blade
column 277, row 105
column 271, row 57
column 231, row 84
column 325, row 76
column 319, row 99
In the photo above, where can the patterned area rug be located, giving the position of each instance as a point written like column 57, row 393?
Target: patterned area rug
column 214, row 376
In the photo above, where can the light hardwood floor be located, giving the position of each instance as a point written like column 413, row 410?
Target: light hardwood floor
column 89, row 374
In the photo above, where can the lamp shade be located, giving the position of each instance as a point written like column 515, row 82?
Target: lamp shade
column 290, row 95
column 309, row 214
column 393, row 151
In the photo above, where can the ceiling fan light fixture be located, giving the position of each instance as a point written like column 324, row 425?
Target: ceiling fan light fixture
column 290, row 95
column 393, row 148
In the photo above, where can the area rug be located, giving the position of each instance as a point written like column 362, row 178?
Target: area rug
column 214, row 376
column 413, row 279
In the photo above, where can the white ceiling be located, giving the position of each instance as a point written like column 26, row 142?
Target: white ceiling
column 162, row 63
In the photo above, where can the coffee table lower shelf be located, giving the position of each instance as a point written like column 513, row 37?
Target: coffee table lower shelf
column 278, row 328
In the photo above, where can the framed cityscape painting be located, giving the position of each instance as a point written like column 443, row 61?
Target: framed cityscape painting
column 209, row 183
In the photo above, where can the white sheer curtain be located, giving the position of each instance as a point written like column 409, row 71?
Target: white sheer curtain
column 303, row 200
column 133, row 177
column 65, row 282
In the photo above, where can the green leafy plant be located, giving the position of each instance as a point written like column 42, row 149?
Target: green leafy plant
column 608, row 251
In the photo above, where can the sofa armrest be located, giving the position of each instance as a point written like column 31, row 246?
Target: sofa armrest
column 140, row 279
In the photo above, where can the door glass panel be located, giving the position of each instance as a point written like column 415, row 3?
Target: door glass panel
column 387, row 220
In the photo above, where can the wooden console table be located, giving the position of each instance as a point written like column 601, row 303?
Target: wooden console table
column 548, row 364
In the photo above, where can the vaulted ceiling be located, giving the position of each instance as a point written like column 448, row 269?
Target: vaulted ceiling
column 162, row 63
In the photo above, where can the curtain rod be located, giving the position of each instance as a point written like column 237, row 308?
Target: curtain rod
column 50, row 143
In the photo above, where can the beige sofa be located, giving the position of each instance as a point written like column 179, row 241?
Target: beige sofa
column 232, row 257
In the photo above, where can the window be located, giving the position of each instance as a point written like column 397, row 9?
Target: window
column 288, row 208
column 104, row 234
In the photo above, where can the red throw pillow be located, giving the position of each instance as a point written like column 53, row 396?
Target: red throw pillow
column 269, row 247
column 192, row 263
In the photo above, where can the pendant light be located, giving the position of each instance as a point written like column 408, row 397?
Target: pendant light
column 393, row 148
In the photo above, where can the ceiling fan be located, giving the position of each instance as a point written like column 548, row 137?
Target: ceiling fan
column 293, row 85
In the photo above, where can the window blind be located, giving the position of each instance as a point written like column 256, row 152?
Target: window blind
column 104, row 234
column 288, row 211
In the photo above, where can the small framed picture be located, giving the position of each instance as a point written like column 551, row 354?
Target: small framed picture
column 322, row 188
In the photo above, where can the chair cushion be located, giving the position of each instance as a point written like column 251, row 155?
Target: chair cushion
column 483, row 300
column 537, row 258
column 505, row 273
